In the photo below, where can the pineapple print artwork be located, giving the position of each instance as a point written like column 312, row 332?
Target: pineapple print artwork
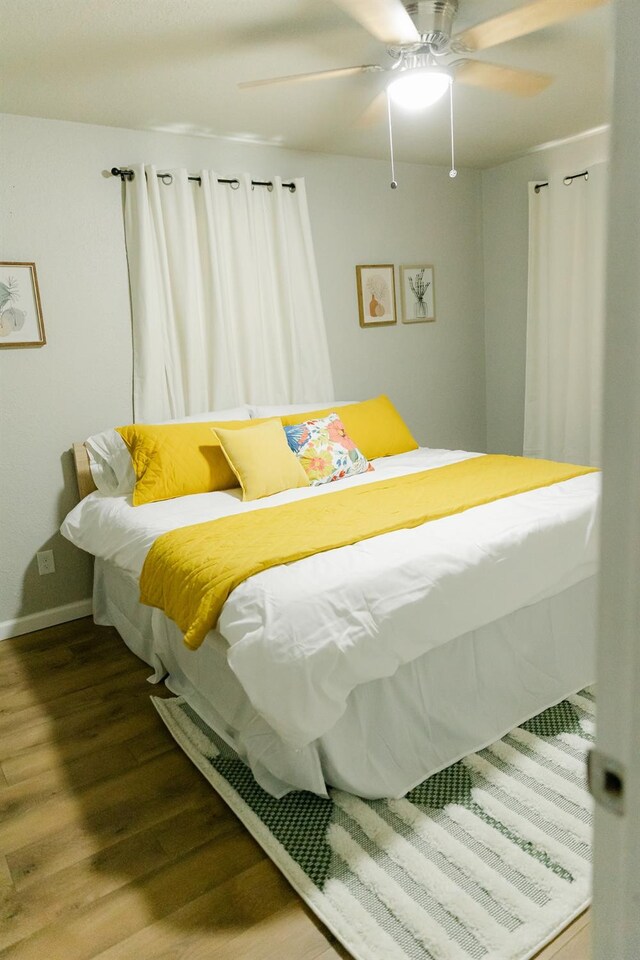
column 11, row 317
column 20, row 313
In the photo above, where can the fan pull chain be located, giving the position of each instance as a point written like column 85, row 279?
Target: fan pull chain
column 453, row 172
column 394, row 182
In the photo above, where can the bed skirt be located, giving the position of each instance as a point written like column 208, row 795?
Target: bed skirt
column 396, row 731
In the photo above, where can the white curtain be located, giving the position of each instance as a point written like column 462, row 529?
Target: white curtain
column 225, row 296
column 565, row 319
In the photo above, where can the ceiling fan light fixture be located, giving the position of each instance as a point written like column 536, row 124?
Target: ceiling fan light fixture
column 419, row 87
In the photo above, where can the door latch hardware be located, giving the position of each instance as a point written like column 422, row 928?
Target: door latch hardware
column 606, row 781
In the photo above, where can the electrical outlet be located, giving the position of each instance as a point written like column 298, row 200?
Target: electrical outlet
column 46, row 563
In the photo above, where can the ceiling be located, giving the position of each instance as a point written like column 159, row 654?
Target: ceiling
column 174, row 65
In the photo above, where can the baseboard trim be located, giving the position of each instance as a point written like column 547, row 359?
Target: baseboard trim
column 45, row 618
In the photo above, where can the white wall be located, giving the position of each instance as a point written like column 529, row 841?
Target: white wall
column 59, row 210
column 505, row 219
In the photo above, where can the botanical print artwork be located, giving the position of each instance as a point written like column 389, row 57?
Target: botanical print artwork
column 11, row 318
column 20, row 315
column 419, row 287
column 417, row 293
column 376, row 294
column 378, row 287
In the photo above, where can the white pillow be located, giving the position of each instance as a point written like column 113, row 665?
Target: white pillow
column 110, row 463
column 109, row 458
column 284, row 410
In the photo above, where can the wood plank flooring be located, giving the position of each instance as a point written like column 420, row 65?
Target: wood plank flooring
column 112, row 845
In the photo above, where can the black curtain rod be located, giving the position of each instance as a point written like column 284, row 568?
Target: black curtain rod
column 567, row 180
column 167, row 178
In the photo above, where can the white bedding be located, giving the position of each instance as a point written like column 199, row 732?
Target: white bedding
column 396, row 731
column 303, row 636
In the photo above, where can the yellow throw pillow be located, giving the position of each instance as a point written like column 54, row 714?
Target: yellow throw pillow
column 261, row 459
column 375, row 426
column 178, row 459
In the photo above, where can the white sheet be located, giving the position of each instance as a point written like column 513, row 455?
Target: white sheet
column 303, row 636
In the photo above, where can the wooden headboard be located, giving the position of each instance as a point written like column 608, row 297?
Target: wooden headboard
column 83, row 470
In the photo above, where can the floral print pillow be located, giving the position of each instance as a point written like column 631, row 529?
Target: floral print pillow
column 325, row 450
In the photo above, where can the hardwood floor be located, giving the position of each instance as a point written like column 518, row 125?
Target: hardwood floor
column 112, row 845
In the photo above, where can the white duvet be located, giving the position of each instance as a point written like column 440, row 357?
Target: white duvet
column 302, row 636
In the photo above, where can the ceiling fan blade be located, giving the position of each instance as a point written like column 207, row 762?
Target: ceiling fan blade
column 386, row 20
column 318, row 75
column 521, row 21
column 494, row 76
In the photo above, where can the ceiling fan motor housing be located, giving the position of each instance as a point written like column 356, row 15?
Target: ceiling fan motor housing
column 433, row 20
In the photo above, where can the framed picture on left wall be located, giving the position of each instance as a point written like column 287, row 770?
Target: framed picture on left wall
column 21, row 323
column 376, row 294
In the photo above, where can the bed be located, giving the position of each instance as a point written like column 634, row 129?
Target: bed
column 371, row 666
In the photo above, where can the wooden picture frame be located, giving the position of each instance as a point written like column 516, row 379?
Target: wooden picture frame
column 417, row 289
column 21, row 323
column 376, row 294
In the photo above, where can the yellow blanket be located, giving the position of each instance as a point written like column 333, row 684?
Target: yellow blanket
column 190, row 572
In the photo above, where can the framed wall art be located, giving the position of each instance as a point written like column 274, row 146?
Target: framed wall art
column 21, row 323
column 376, row 294
column 417, row 291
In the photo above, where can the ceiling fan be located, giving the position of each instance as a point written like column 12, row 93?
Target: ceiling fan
column 428, row 56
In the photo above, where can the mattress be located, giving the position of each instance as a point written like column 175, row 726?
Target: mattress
column 371, row 666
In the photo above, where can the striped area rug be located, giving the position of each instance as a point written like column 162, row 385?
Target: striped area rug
column 486, row 860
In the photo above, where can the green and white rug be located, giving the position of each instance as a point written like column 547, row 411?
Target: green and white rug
column 487, row 860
